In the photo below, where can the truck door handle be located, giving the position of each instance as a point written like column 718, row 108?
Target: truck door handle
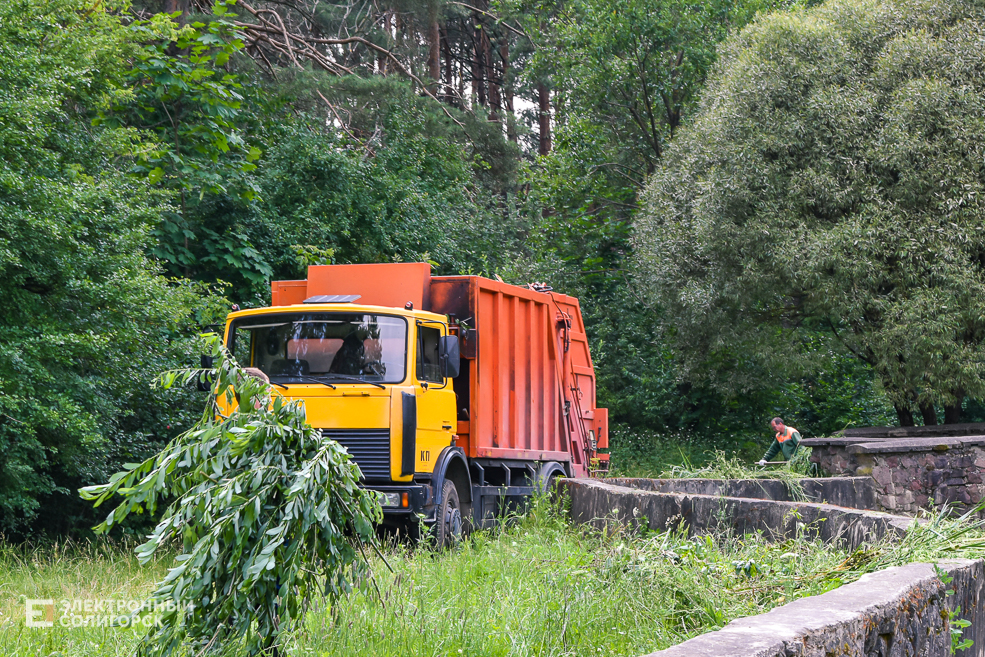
column 446, row 426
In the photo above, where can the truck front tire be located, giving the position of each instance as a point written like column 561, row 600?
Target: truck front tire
column 448, row 524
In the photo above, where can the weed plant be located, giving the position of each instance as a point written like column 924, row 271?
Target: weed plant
column 934, row 536
column 104, row 570
column 643, row 453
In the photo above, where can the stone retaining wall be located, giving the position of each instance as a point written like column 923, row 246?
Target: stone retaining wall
column 893, row 613
column 933, row 431
column 909, row 473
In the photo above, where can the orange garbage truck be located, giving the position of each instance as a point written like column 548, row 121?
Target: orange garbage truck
column 455, row 395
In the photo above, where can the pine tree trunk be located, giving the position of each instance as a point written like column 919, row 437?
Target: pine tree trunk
column 495, row 101
column 478, row 77
column 449, row 91
column 504, row 54
column 381, row 61
column 544, row 118
column 434, row 46
column 461, row 73
column 172, row 6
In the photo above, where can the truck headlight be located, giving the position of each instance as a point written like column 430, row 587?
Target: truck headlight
column 391, row 500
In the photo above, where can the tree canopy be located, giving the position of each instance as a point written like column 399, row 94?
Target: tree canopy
column 161, row 160
column 832, row 183
column 86, row 315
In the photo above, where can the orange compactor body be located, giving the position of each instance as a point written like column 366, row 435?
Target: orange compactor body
column 523, row 389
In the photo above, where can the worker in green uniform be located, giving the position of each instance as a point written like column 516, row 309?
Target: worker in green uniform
column 787, row 440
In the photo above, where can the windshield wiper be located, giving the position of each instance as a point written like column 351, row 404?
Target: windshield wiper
column 306, row 379
column 355, row 379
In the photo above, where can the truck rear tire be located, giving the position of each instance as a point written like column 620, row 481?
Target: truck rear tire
column 448, row 524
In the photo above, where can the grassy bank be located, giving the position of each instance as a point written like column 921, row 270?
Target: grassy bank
column 638, row 452
column 538, row 587
column 102, row 571
column 644, row 453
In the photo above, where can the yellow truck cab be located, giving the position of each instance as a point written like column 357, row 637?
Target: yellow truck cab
column 376, row 379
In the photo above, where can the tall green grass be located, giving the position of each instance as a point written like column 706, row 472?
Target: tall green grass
column 535, row 587
column 69, row 571
column 723, row 466
column 638, row 452
column 540, row 587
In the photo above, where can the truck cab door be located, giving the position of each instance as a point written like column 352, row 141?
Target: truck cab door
column 436, row 423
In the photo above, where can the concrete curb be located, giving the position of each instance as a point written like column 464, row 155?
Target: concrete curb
column 601, row 504
column 853, row 492
column 897, row 611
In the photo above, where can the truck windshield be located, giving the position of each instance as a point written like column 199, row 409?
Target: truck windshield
column 347, row 346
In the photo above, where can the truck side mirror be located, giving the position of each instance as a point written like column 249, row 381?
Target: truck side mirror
column 205, row 378
column 448, row 356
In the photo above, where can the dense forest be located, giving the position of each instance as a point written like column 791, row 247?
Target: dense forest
column 766, row 207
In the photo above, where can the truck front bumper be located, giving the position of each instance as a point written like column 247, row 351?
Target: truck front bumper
column 413, row 499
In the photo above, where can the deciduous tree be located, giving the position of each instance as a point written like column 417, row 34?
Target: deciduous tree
column 833, row 180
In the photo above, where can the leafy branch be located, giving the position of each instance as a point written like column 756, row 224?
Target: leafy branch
column 267, row 513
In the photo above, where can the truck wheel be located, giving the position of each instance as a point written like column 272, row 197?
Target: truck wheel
column 448, row 525
column 548, row 476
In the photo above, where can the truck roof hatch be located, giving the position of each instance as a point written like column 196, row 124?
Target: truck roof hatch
column 332, row 298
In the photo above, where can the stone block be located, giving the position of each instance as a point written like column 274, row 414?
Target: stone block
column 894, row 613
column 882, row 475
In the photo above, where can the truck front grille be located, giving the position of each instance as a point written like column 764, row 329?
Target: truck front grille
column 369, row 448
